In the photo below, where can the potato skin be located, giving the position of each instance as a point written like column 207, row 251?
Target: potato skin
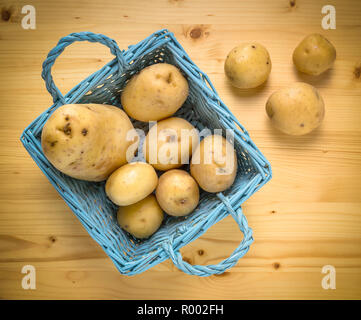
column 142, row 218
column 171, row 146
column 87, row 141
column 131, row 183
column 155, row 93
column 314, row 55
column 297, row 109
column 248, row 65
column 214, row 164
column 177, row 192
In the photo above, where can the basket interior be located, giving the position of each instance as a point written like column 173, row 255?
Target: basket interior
column 97, row 212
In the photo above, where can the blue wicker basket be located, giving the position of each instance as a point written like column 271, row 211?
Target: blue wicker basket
column 203, row 108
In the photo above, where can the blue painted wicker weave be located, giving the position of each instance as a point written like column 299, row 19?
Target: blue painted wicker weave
column 203, row 108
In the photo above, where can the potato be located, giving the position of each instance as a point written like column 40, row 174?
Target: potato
column 314, row 55
column 297, row 109
column 214, row 164
column 88, row 141
column 177, row 192
column 155, row 93
column 142, row 218
column 248, row 65
column 170, row 144
column 131, row 183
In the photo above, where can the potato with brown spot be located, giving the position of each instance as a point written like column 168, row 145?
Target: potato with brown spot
column 87, row 141
column 170, row 143
column 177, row 192
column 155, row 93
column 141, row 219
column 297, row 109
column 248, row 65
column 314, row 55
column 214, row 164
column 131, row 183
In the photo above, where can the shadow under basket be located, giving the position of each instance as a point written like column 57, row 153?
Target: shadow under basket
column 203, row 108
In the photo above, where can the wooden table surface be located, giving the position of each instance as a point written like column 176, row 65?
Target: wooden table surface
column 306, row 217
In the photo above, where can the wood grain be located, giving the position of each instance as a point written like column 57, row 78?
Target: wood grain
column 307, row 216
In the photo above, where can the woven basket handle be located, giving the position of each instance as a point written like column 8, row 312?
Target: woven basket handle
column 205, row 271
column 66, row 41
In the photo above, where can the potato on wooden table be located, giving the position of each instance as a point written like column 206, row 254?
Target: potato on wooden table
column 314, row 55
column 248, row 65
column 297, row 109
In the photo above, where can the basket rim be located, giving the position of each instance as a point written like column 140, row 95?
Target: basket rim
column 262, row 177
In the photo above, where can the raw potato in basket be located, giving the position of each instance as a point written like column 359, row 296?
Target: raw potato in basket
column 177, row 192
column 155, row 93
column 131, row 183
column 214, row 164
column 170, row 144
column 142, row 218
column 88, row 141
